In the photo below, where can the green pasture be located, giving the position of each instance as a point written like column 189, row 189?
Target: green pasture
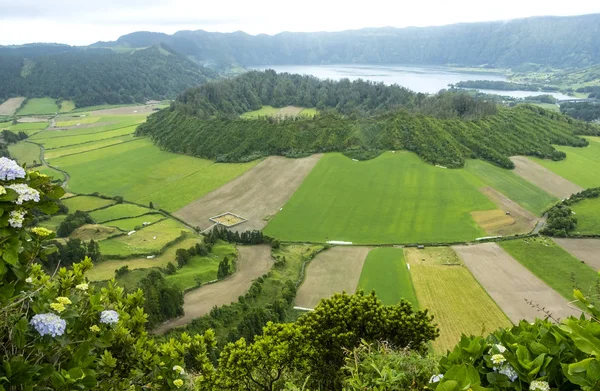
column 25, row 153
column 395, row 198
column 68, row 140
column 523, row 192
column 553, row 265
column 265, row 111
column 39, row 106
column 55, row 174
column 85, row 203
column 588, row 216
column 76, row 121
column 582, row 165
column 80, row 148
column 148, row 240
column 66, row 106
column 53, row 223
column 27, row 127
column 118, row 211
column 135, row 222
column 203, row 268
column 139, row 171
column 386, row 273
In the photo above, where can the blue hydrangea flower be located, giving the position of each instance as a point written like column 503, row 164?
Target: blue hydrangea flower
column 25, row 193
column 509, row 371
column 9, row 170
column 109, row 317
column 48, row 324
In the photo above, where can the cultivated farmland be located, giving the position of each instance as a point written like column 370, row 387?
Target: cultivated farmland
column 544, row 178
column 386, row 273
column 447, row 289
column 8, row 107
column 134, row 222
column 395, row 198
column 39, row 106
column 581, row 165
column 85, row 203
column 119, row 211
column 587, row 250
column 255, row 195
column 509, row 219
column 510, row 283
column 332, row 271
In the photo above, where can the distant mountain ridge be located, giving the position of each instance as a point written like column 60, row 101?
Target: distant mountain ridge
column 551, row 41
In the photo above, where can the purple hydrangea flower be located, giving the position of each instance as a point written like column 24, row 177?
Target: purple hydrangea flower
column 25, row 193
column 48, row 324
column 109, row 317
column 10, row 170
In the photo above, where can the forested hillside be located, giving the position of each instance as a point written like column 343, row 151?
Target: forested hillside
column 551, row 41
column 359, row 118
column 92, row 77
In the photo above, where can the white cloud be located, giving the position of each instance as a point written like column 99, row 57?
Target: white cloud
column 83, row 22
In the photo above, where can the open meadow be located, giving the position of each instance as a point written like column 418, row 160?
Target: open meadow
column 394, row 198
column 25, row 153
column 588, row 217
column 447, row 289
column 86, row 203
column 119, row 211
column 386, row 273
column 39, row 106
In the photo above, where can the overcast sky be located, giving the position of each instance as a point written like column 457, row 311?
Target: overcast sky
column 81, row 22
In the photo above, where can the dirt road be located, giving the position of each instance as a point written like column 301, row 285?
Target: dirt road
column 253, row 262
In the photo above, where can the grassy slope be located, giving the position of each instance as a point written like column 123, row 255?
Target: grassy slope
column 141, row 172
column 512, row 186
column 552, row 264
column 588, row 216
column 58, row 142
column 204, row 268
column 118, row 211
column 85, row 203
column 395, row 198
column 582, row 165
column 86, row 147
column 459, row 304
column 24, row 152
column 66, row 106
column 386, row 273
column 39, row 106
column 134, row 222
column 53, row 222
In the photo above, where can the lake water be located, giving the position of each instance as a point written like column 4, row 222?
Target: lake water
column 420, row 79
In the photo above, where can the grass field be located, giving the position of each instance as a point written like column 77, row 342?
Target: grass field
column 265, row 111
column 135, row 222
column 581, row 165
column 56, row 175
column 203, row 268
column 105, row 270
column 512, row 186
column 39, row 106
column 58, row 142
column 86, row 203
column 118, row 211
column 554, row 265
column 90, row 146
column 141, row 172
column 447, row 289
column 66, row 106
column 53, row 222
column 25, row 153
column 395, row 198
column 588, row 216
column 27, row 127
column 145, row 241
column 77, row 121
column 386, row 273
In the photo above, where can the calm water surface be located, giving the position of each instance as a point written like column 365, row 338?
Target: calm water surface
column 420, row 79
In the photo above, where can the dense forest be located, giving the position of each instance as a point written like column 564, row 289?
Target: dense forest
column 359, row 118
column 502, row 85
column 583, row 111
column 551, row 41
column 92, row 77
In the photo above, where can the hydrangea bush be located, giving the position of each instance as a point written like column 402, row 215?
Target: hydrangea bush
column 57, row 331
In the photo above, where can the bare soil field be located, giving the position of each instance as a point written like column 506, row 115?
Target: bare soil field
column 509, row 283
column 253, row 262
column 332, row 271
column 586, row 250
column 11, row 105
column 544, row 178
column 497, row 222
column 289, row 111
column 32, row 120
column 257, row 194
column 143, row 109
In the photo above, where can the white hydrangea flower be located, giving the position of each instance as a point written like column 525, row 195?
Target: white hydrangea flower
column 498, row 359
column 500, row 348
column 10, row 170
column 539, row 385
column 436, row 378
column 82, row 287
column 29, row 280
column 25, row 193
column 109, row 317
column 178, row 369
column 16, row 218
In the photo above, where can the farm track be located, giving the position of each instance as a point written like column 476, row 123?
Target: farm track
column 332, row 271
column 509, row 283
column 253, row 262
column 255, row 195
column 586, row 250
column 45, row 163
column 544, row 178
